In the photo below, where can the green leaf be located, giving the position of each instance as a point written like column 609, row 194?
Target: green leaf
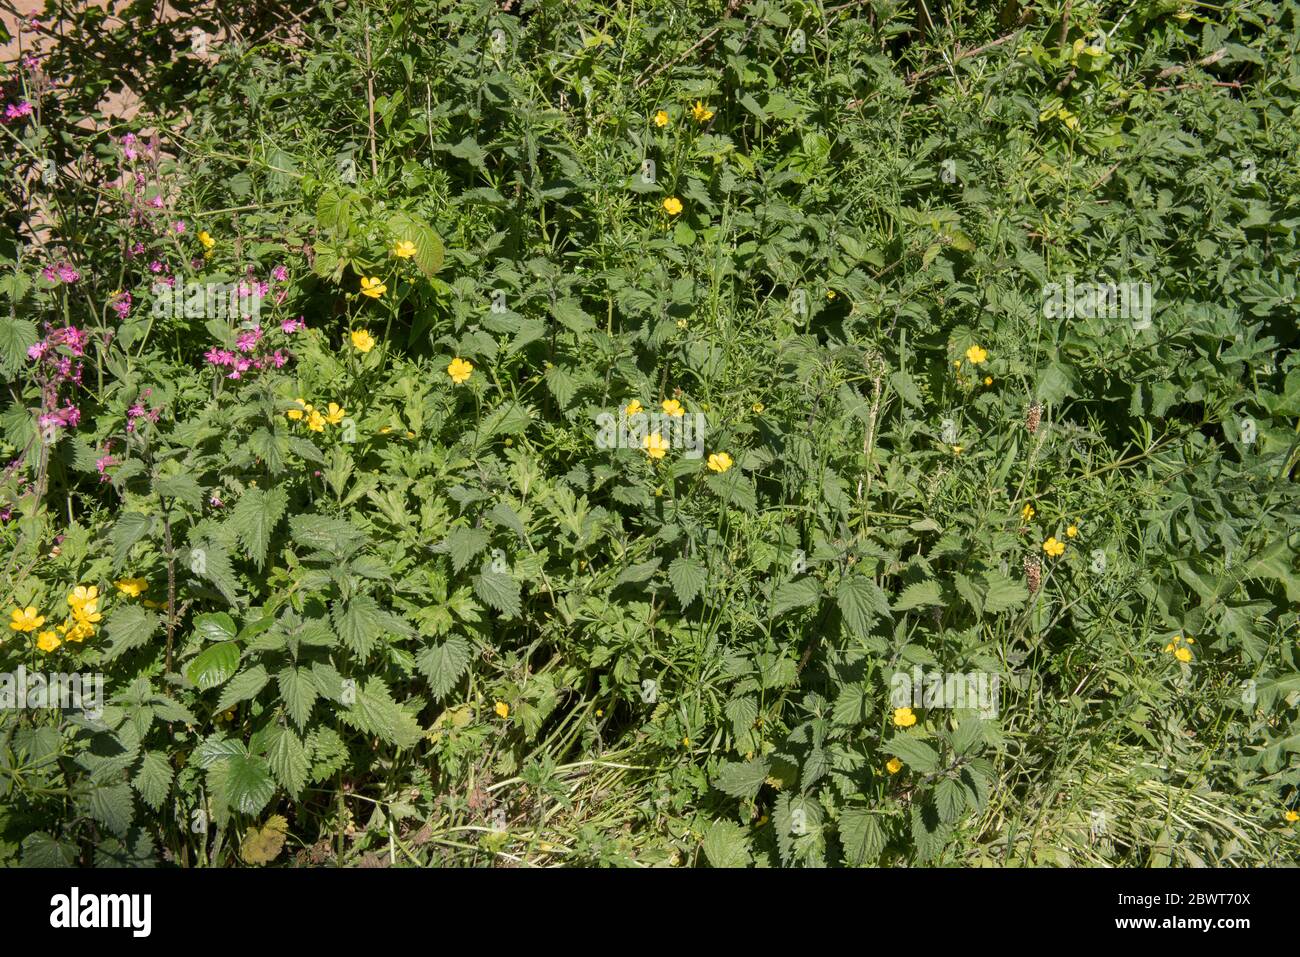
column 1004, row 593
column 950, row 799
column 287, row 756
column 742, row 779
column 443, row 664
column 321, row 532
column 182, row 488
column 499, row 591
column 918, row 594
column 243, row 686
column 726, row 845
column 112, row 807
column 130, row 528
column 359, row 624
column 795, row 594
column 862, row 837
column 215, row 626
column 913, row 752
column 154, row 779
column 376, row 713
column 213, row 665
column 465, row 543
column 128, row 627
column 861, row 602
column 688, row 577
column 43, row 850
column 254, row 519
column 298, row 693
column 241, row 782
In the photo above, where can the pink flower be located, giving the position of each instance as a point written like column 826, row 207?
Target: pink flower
column 102, row 463
column 215, row 501
column 248, row 341
column 14, row 111
column 279, row 273
column 157, row 203
column 290, row 326
column 38, row 350
column 279, row 358
column 155, row 266
column 179, row 226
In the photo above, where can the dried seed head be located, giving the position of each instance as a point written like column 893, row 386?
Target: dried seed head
column 1033, row 416
column 1033, row 573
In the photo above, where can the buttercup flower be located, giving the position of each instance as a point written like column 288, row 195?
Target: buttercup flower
column 1053, row 547
column 25, row 619
column 956, row 449
column 661, row 118
column 315, row 421
column 988, row 380
column 460, row 369
column 299, row 412
column 84, row 597
column 632, row 408
column 132, row 587
column 1027, row 513
column 701, row 112
column 362, row 340
column 893, row 766
column 206, row 239
column 372, row 287
column 1072, row 531
column 502, row 709
column 404, row 249
column 334, row 413
column 673, row 205
column 47, row 641
column 719, row 462
column 975, row 355
column 1291, row 817
column 655, row 445
column 758, row 408
column 904, row 718
column 673, row 407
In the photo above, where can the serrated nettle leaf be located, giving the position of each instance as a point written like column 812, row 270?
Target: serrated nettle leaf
column 918, row 595
column 688, row 576
column 798, row 593
column 254, row 519
column 741, row 779
column 298, row 692
column 726, row 845
column 444, row 663
column 499, row 591
column 913, row 752
column 860, row 601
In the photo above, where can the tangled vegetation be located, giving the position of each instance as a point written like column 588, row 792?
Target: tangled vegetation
column 586, row 433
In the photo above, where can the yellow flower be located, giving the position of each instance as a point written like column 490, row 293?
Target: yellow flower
column 297, row 413
column 956, row 449
column 362, row 340
column 661, row 118
column 206, row 239
column 686, row 742
column 600, row 712
column 460, row 370
column 681, row 323
column 25, row 619
column 673, row 205
column 1291, row 816
column 655, row 445
column 372, row 287
column 758, row 408
column 77, row 629
column 315, row 421
column 84, row 597
column 701, row 112
column 988, row 380
column 1053, row 547
column 1027, row 513
column 632, row 408
column 830, row 293
column 334, row 414
column 894, row 766
column 502, row 709
column 975, row 355
column 1072, row 531
column 132, row 587
column 404, row 249
column 904, row 718
column 1183, row 654
column 673, row 407
column 47, row 641
column 719, row 462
